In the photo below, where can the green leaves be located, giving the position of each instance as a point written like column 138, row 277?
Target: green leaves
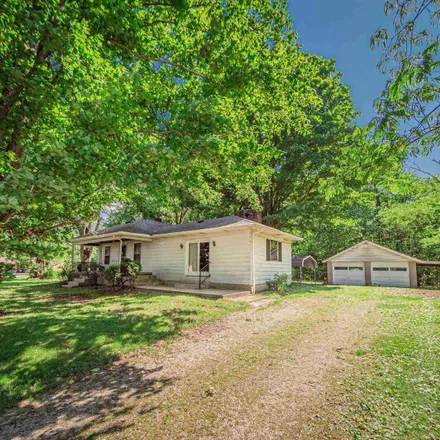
column 99, row 96
column 408, row 110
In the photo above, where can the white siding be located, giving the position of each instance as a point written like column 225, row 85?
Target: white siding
column 366, row 252
column 114, row 252
column 266, row 270
column 230, row 257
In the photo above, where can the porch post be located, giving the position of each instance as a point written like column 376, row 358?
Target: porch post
column 73, row 256
column 120, row 251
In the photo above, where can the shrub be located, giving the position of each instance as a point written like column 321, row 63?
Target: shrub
column 129, row 270
column 47, row 274
column 93, row 272
column 34, row 271
column 123, row 275
column 6, row 272
column 279, row 282
column 66, row 273
column 113, row 274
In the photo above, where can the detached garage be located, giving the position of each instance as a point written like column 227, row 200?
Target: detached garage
column 370, row 264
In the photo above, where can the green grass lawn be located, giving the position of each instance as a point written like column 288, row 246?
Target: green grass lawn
column 395, row 389
column 49, row 334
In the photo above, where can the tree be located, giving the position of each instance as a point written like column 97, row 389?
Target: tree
column 408, row 110
column 322, row 158
column 99, row 95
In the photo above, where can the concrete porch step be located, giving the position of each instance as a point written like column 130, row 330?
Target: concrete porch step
column 144, row 278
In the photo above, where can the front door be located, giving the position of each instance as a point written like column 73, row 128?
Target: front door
column 204, row 257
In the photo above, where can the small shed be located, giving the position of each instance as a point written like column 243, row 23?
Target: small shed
column 304, row 262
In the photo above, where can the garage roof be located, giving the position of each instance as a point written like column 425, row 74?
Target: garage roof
column 407, row 257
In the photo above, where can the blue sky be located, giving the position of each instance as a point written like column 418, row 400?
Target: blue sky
column 341, row 29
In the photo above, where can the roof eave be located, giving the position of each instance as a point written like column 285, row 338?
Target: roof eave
column 105, row 237
column 416, row 260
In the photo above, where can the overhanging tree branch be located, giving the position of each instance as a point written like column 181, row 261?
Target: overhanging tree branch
column 163, row 61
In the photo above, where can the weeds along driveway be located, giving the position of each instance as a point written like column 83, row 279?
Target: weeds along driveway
column 261, row 373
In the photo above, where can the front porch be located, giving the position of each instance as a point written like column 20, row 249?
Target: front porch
column 204, row 293
column 109, row 250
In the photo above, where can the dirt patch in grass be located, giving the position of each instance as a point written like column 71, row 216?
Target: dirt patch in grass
column 424, row 293
column 261, row 373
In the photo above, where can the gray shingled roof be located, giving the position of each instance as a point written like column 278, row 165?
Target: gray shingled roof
column 151, row 227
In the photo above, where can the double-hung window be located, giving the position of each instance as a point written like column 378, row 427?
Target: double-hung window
column 137, row 252
column 107, row 254
column 274, row 250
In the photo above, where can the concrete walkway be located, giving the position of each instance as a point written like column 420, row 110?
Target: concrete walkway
column 205, row 293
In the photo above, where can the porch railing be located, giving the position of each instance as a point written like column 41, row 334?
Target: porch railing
column 203, row 278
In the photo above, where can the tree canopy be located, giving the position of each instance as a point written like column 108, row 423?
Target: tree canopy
column 409, row 108
column 185, row 110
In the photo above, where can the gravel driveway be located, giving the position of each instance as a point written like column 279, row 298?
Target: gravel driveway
column 269, row 372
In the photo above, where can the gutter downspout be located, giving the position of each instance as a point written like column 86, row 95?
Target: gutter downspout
column 253, row 290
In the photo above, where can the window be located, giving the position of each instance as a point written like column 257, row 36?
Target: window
column 107, row 255
column 357, row 268
column 274, row 250
column 381, row 269
column 398, row 269
column 198, row 257
column 193, row 265
column 124, row 251
column 137, row 252
column 341, row 268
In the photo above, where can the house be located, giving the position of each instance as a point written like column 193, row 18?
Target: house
column 228, row 252
column 368, row 263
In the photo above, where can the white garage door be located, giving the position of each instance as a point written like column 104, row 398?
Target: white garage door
column 349, row 273
column 390, row 274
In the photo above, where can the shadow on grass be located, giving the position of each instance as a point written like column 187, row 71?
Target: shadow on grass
column 38, row 352
column 65, row 414
column 46, row 338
